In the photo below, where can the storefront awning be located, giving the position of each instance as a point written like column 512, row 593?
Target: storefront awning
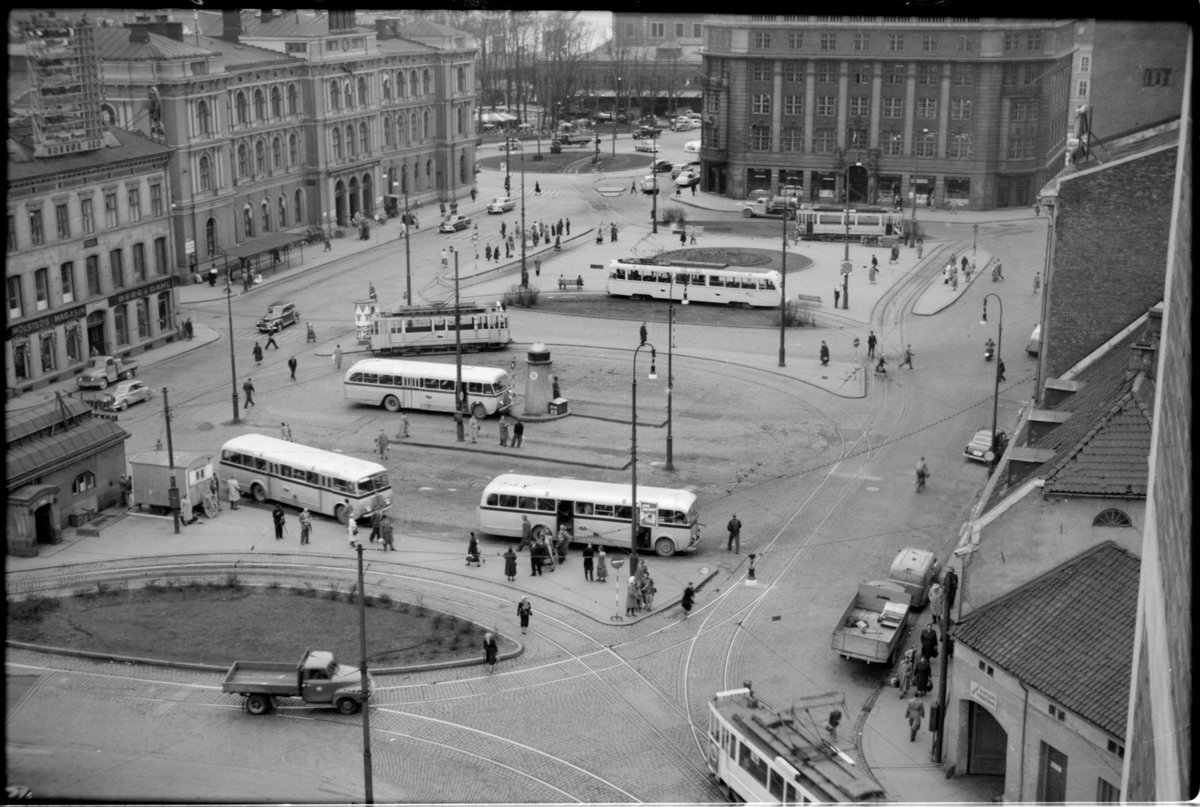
column 258, row 246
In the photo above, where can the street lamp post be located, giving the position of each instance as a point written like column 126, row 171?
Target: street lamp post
column 633, row 519
column 996, row 394
column 407, row 250
column 670, row 356
column 846, row 255
column 654, row 202
column 616, row 103
column 524, row 270
column 232, row 359
column 459, row 398
column 916, row 164
column 364, row 682
column 783, row 282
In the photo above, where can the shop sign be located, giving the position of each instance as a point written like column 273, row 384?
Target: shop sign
column 48, row 321
column 145, row 291
column 984, row 696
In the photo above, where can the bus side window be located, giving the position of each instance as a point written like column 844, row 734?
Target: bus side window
column 340, row 485
column 604, row 510
column 508, row 500
column 583, row 509
column 356, row 378
column 260, row 464
column 429, row 383
column 492, row 499
column 526, row 503
column 475, row 387
column 625, row 512
column 370, row 378
column 447, row 385
column 547, row 506
column 313, row 477
column 385, row 380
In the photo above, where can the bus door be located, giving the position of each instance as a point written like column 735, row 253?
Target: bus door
column 808, row 223
column 566, row 518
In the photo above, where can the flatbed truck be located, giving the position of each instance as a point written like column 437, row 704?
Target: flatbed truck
column 317, row 680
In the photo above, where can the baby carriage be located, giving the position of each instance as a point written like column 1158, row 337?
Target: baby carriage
column 473, row 556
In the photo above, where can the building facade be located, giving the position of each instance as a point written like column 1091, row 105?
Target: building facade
column 651, row 65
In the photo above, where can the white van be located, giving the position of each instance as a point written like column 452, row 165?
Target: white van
column 692, row 147
column 501, row 204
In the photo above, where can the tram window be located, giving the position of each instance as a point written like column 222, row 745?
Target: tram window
column 867, row 221
column 634, row 274
column 583, row 509
column 696, row 279
column 752, row 763
column 439, row 324
column 619, row 274
column 716, row 280
column 768, row 284
column 790, row 793
column 604, row 510
column 508, row 500
column 775, row 785
column 828, row 218
column 664, row 277
column 419, row 325
column 749, row 283
column 526, row 503
column 547, row 506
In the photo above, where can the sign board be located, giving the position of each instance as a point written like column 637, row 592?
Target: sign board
column 189, row 246
column 984, row 696
column 847, row 267
column 647, row 514
column 856, row 342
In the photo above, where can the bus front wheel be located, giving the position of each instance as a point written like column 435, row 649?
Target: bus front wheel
column 340, row 514
column 478, row 411
column 391, row 403
column 664, row 547
column 259, row 493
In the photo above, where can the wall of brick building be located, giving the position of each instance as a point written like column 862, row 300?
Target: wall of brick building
column 1123, row 51
column 1111, row 228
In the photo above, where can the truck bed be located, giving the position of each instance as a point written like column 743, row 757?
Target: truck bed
column 274, row 678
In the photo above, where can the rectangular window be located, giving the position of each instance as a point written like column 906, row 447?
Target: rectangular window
column 760, row 138
column 679, row 30
column 1083, row 87
column 896, row 43
column 893, row 107
column 160, row 256
column 960, row 146
column 752, row 763
column 826, row 72
column 139, row 262
column 12, row 232
column 199, row 68
column 862, row 41
column 762, row 40
column 62, row 218
column 926, row 143
column 793, row 104
column 824, row 141
column 1107, row 793
column 963, row 75
column 826, row 105
column 761, row 104
column 926, row 107
column 66, row 274
column 86, row 219
column 966, row 43
column 760, row 71
column 697, row 30
column 1019, row 110
column 1034, row 41
column 1009, row 76
column 121, row 324
column 117, row 265
column 1011, row 42
column 795, row 40
column 41, row 288
column 960, row 109
column 1016, row 146
column 16, row 305
column 296, row 47
column 110, row 210
column 892, row 144
column 895, row 74
column 93, row 275
column 143, row 318
column 1085, row 64
column 793, row 71
column 156, row 199
column 860, row 106
column 657, row 30
column 828, row 40
column 792, row 139
column 37, row 235
column 929, row 43
column 135, row 204
column 927, row 74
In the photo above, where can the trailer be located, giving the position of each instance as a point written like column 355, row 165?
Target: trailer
column 874, row 624
column 150, row 475
column 915, row 570
column 317, row 680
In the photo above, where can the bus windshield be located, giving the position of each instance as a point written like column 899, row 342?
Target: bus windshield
column 374, row 483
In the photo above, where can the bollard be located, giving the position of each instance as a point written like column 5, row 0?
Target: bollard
column 751, row 580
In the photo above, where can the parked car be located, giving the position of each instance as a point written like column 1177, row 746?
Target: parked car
column 501, row 204
column 1035, row 341
column 679, row 168
column 647, row 146
column 661, row 166
column 650, row 184
column 279, row 315
column 687, row 179
column 601, row 117
column 126, row 394
column 981, row 444
column 692, row 147
column 647, row 131
column 452, row 224
column 684, row 124
column 511, row 145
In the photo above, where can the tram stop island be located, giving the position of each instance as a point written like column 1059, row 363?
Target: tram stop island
column 542, row 399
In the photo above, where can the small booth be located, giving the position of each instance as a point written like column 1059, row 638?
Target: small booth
column 150, row 473
column 365, row 313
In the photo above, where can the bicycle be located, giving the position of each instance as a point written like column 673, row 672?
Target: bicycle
column 922, row 475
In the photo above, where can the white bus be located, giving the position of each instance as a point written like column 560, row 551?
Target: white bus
column 592, row 512
column 300, row 476
column 395, row 384
column 697, row 283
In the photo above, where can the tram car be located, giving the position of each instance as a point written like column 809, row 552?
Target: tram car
column 761, row 756
column 693, row 282
column 407, row 331
column 867, row 224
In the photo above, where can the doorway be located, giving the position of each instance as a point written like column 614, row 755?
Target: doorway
column 97, row 343
column 1052, row 775
column 340, row 203
column 987, row 743
column 43, row 524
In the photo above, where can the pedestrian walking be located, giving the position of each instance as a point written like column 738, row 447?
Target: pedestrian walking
column 487, row 252
column 589, row 562
column 292, row 367
column 682, row 237
column 474, row 429
column 248, row 389
column 568, row 226
column 648, row 592
column 403, row 426
column 518, row 434
column 473, row 551
column 510, row 564
column 601, row 566
column 524, row 611
column 537, row 267
column 337, row 356
column 735, row 535
column 328, row 244
column 871, row 273
column 312, row 335
column 1000, row 369
column 613, row 232
column 837, row 296
column 490, row 651
column 929, row 641
column 235, row 493
column 689, row 599
column 904, row 676
column 351, row 524
column 914, row 715
column 277, row 516
column 258, row 354
column 503, row 430
column 824, row 354
column 271, row 337
column 388, row 534
column 382, row 442
column 474, row 193
column 305, row 525
column 600, row 235
column 874, row 262
column 935, row 602
column 871, row 343
column 376, row 522
column 526, row 533
column 908, row 357
column 215, row 489
column 1037, row 282
column 502, row 230
column 950, row 583
column 283, row 430
column 923, row 676
column 631, row 597
column 633, row 186
column 126, row 490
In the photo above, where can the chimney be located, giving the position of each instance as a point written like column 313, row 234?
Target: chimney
column 265, row 16
column 383, row 29
column 232, row 25
column 1143, row 355
column 139, row 33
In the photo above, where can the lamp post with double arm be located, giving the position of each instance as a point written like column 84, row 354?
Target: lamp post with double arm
column 996, row 394
column 633, row 501
column 670, row 355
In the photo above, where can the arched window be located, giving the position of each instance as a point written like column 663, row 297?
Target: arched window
column 462, row 168
column 404, row 179
column 276, row 103
column 414, row 84
column 362, row 90
column 414, row 124
column 243, row 160
column 260, row 157
column 299, row 207
column 350, row 140
column 387, row 87
column 335, row 98
column 427, row 83
column 363, row 143
column 293, row 107
column 387, row 130
column 108, row 115
column 282, row 212
column 348, row 95
column 425, row 124
column 84, row 482
column 248, row 222
column 203, row 118
column 1112, row 518
column 210, row 236
column 416, row 176
column 458, row 120
column 337, row 143
column 293, row 149
column 266, row 216
column 240, row 106
column 462, row 79
column 277, row 154
column 260, row 105
column 205, row 173
column 429, row 173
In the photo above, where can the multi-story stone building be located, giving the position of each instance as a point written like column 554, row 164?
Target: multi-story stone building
column 959, row 111
column 87, row 266
column 651, row 65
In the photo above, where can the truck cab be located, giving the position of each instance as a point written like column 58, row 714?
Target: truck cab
column 322, row 678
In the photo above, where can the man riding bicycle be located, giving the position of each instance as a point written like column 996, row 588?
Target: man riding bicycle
column 922, row 473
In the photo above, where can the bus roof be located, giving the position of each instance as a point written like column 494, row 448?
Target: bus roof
column 423, row 369
column 304, row 457
column 586, row 490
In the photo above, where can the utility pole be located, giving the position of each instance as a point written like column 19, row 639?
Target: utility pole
column 783, row 283
column 460, row 399
column 173, row 491
column 232, row 358
column 365, row 683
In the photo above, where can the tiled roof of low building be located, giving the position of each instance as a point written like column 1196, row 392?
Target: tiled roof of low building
column 133, row 145
column 114, row 45
column 1068, row 634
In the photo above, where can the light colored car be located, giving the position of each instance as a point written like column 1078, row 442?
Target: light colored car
column 511, row 145
column 125, row 394
column 687, row 179
column 1035, row 341
column 650, row 184
column 501, row 204
column 981, row 445
column 647, row 146
column 692, row 147
column 684, row 124
column 452, row 224
column 278, row 316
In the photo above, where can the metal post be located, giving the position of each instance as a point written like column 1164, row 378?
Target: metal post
column 524, row 269
column 654, row 201
column 996, row 394
column 616, row 102
column 940, row 728
column 783, row 284
column 173, row 493
column 408, row 231
column 670, row 378
column 232, row 359
column 846, row 257
column 368, row 786
column 459, row 398
column 633, row 520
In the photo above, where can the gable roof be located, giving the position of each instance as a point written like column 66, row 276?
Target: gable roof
column 1068, row 634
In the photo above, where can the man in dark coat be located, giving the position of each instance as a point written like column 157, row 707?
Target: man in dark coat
column 824, row 353
column 929, row 642
column 689, row 598
column 292, row 366
column 951, row 585
column 277, row 515
column 510, row 564
column 376, row 521
column 923, row 675
column 588, row 562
